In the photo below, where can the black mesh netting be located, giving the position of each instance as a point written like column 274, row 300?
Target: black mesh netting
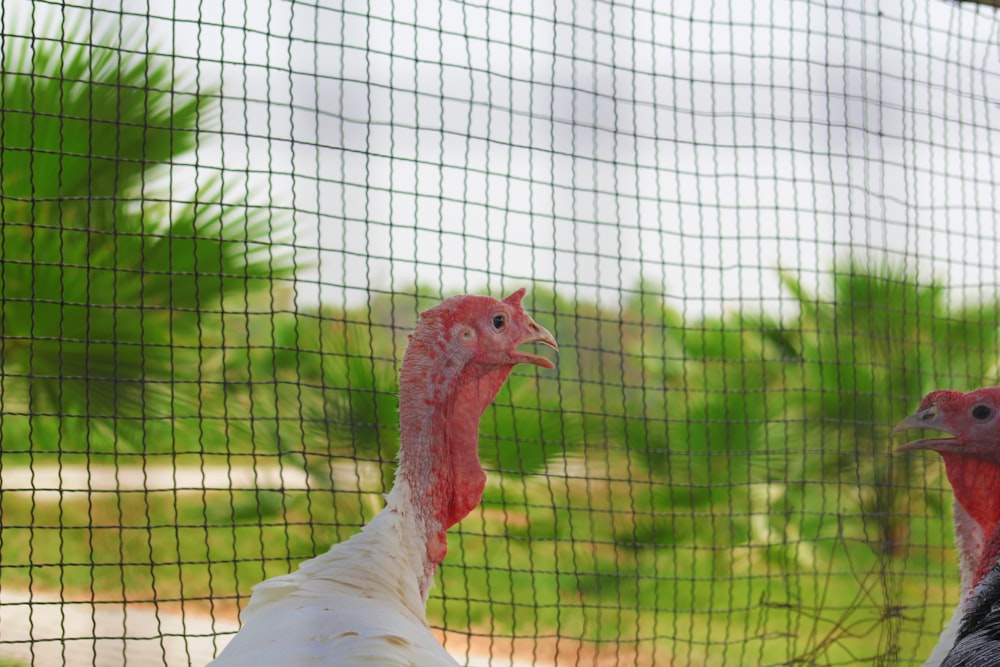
column 759, row 231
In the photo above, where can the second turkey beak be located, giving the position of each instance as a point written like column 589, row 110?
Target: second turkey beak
column 929, row 418
column 537, row 334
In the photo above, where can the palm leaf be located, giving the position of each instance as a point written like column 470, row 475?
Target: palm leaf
column 106, row 280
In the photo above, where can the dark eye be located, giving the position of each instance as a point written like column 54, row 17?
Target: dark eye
column 499, row 321
column 981, row 412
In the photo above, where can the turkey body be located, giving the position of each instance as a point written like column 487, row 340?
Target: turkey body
column 357, row 604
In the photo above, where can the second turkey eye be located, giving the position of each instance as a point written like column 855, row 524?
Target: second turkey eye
column 981, row 412
column 499, row 321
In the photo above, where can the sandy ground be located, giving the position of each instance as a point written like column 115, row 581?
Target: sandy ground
column 41, row 630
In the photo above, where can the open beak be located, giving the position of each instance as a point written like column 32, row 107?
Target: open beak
column 929, row 418
column 537, row 334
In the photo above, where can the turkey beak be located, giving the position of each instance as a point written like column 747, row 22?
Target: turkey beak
column 536, row 334
column 930, row 418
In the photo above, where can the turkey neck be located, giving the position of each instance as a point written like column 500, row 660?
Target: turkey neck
column 976, row 484
column 441, row 398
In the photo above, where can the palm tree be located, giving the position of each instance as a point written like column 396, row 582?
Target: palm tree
column 111, row 288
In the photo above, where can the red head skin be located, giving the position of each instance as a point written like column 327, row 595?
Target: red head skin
column 459, row 355
column 971, row 453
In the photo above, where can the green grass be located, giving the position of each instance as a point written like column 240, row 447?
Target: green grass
column 600, row 564
column 162, row 545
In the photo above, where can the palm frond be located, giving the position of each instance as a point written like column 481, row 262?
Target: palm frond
column 106, row 281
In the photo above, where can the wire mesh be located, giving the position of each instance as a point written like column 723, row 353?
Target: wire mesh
column 759, row 231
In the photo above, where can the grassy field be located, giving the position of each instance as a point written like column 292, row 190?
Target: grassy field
column 581, row 560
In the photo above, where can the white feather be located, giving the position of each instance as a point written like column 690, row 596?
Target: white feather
column 357, row 604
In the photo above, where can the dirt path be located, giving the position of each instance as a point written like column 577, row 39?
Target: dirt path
column 43, row 631
column 77, row 478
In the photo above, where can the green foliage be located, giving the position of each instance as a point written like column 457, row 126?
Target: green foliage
column 109, row 284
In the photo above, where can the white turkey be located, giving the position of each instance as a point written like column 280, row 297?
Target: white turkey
column 363, row 602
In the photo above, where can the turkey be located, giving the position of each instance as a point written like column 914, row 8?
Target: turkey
column 972, row 462
column 363, row 602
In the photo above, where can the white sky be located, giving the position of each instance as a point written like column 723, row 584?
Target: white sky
column 482, row 145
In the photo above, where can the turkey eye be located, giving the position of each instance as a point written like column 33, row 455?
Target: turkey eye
column 499, row 320
column 981, row 412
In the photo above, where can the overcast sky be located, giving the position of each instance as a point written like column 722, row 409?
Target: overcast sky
column 482, row 145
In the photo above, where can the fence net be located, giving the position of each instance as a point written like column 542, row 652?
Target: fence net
column 759, row 231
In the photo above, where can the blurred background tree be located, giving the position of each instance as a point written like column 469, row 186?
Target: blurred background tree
column 112, row 286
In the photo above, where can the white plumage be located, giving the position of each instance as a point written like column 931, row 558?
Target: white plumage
column 357, row 604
